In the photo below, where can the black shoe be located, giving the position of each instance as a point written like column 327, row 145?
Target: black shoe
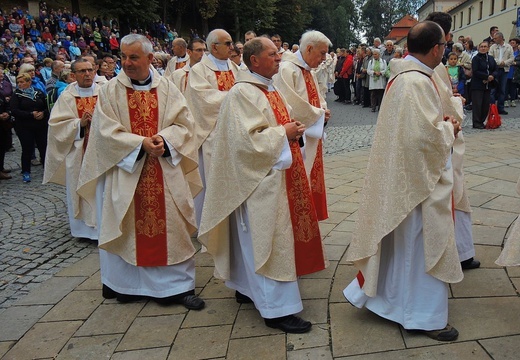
column 188, row 299
column 242, row 299
column 479, row 127
column 449, row 333
column 348, row 102
column 108, row 293
column 468, row 107
column 289, row 324
column 470, row 264
column 502, row 112
column 339, row 100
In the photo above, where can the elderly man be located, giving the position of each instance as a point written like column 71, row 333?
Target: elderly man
column 142, row 163
column 388, row 53
column 299, row 86
column 56, row 67
column 277, row 40
column 98, row 79
column 258, row 165
column 69, row 128
column 196, row 48
column 180, row 56
column 208, row 84
column 504, row 57
column 405, row 262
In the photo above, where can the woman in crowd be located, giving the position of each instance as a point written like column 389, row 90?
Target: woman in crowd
column 484, row 71
column 365, row 82
column 103, row 68
column 5, row 135
column 29, row 108
column 37, row 83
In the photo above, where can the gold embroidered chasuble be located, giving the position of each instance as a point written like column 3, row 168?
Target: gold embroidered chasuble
column 64, row 152
column 204, row 99
column 247, row 146
column 112, row 140
column 510, row 255
column 175, row 64
column 180, row 78
column 293, row 80
column 407, row 168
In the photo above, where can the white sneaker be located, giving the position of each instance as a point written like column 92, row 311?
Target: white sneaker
column 506, row 103
column 513, row 104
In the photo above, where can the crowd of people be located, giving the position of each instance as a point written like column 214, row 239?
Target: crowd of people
column 225, row 140
column 483, row 74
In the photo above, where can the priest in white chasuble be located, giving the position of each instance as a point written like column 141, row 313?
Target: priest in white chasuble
column 258, row 203
column 299, row 85
column 404, row 241
column 142, row 159
column 196, row 48
column 180, row 56
column 208, row 83
column 69, row 128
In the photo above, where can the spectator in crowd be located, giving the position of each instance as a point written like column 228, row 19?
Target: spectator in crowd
column 37, row 83
column 504, row 57
column 484, row 71
column 512, row 87
column 377, row 82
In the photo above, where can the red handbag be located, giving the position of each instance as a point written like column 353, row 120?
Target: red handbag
column 493, row 121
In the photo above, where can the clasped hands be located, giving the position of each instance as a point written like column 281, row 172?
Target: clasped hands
column 456, row 124
column 294, row 130
column 154, row 146
column 85, row 119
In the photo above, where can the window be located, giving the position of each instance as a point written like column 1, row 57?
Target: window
column 469, row 14
column 492, row 8
column 454, row 21
column 504, row 5
column 480, row 10
column 461, row 18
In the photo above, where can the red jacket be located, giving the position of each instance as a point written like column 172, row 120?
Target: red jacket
column 348, row 67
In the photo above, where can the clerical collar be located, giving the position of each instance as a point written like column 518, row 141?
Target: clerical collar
column 267, row 82
column 222, row 65
column 85, row 92
column 142, row 83
column 184, row 58
column 299, row 55
column 417, row 61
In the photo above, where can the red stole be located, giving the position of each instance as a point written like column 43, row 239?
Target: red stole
column 85, row 105
column 186, row 81
column 180, row 65
column 317, row 177
column 225, row 80
column 307, row 239
column 149, row 203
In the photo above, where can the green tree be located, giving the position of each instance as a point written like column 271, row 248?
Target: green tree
column 130, row 13
column 207, row 10
column 256, row 15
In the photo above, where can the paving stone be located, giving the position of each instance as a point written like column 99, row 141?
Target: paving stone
column 211, row 342
column 84, row 267
column 488, row 235
column 215, row 289
column 110, row 319
column 216, row 312
column 5, row 346
column 204, row 259
column 150, row 332
column 338, row 237
column 249, row 323
column 327, row 273
column 44, row 340
column 508, row 173
column 314, row 288
column 487, row 255
column 153, row 309
column 315, row 311
column 344, row 275
column 335, row 252
column 468, row 350
column 322, row 353
column 92, row 283
column 483, row 282
column 148, row 354
column 90, row 347
column 516, row 284
column 52, row 291
column 500, row 187
column 504, row 348
column 78, row 305
column 317, row 337
column 264, row 347
column 504, row 203
column 203, row 275
column 17, row 320
column 358, row 331
column 489, row 217
column 346, row 226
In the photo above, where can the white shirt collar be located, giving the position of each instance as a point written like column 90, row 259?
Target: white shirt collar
column 300, row 56
column 264, row 80
column 222, row 65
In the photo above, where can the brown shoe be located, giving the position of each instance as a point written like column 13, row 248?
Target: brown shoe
column 4, row 176
column 449, row 333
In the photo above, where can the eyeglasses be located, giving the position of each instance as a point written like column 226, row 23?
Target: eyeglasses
column 443, row 44
column 84, row 71
column 199, row 50
column 226, row 43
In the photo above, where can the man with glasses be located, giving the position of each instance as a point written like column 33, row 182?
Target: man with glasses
column 196, row 48
column 504, row 56
column 180, row 56
column 208, row 83
column 69, row 128
column 389, row 52
column 277, row 40
column 404, row 243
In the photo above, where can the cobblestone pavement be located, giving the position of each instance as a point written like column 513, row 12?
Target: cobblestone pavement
column 35, row 240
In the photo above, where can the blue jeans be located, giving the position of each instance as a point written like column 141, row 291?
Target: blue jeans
column 499, row 93
column 511, row 92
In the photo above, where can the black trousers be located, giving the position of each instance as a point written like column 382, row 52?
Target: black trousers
column 481, row 100
column 29, row 135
